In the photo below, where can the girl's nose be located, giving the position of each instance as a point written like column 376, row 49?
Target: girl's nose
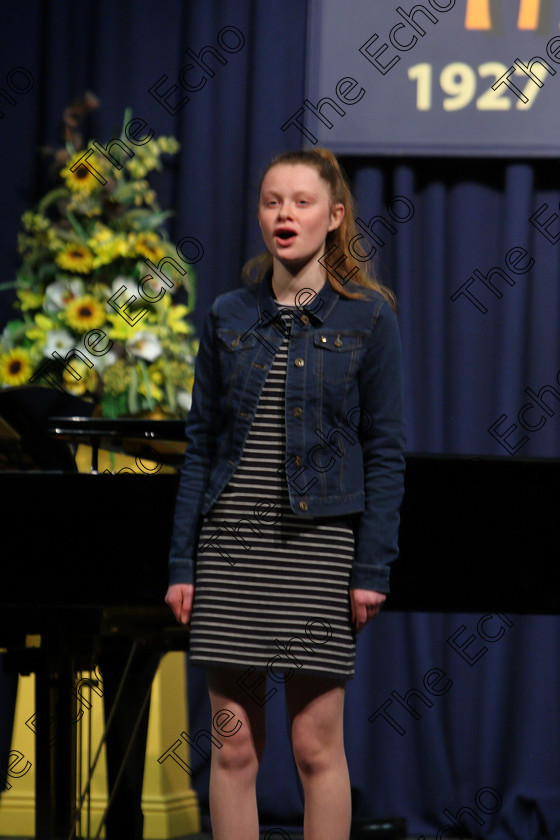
column 284, row 210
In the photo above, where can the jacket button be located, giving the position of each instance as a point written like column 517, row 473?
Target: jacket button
column 299, row 363
column 323, row 339
column 303, row 505
column 338, row 342
column 298, row 411
column 304, row 319
column 298, row 461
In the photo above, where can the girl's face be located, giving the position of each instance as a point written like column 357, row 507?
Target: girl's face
column 295, row 213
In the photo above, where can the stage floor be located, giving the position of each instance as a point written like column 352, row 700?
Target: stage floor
column 209, row 837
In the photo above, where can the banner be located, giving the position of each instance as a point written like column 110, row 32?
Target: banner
column 451, row 77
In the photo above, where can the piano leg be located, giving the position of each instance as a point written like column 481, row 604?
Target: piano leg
column 126, row 807
column 55, row 747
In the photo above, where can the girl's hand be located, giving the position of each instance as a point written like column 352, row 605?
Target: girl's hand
column 180, row 597
column 365, row 604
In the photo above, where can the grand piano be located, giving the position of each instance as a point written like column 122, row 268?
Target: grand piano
column 85, row 555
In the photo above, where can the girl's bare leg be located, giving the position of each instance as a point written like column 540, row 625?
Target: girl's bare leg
column 315, row 706
column 234, row 765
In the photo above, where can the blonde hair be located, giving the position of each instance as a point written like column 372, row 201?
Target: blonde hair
column 330, row 171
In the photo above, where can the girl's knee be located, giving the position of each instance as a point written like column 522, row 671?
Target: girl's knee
column 240, row 752
column 315, row 754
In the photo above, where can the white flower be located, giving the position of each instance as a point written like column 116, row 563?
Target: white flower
column 184, row 400
column 59, row 340
column 102, row 362
column 146, row 345
column 156, row 283
column 131, row 288
column 59, row 294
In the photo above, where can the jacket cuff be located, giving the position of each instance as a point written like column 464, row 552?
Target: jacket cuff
column 365, row 576
column 181, row 571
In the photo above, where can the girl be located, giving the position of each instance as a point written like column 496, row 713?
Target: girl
column 290, row 492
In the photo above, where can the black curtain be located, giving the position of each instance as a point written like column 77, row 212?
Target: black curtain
column 489, row 744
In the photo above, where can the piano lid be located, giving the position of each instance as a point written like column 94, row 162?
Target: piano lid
column 44, row 428
column 164, row 439
column 26, row 410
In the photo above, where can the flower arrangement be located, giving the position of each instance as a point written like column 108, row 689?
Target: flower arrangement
column 83, row 242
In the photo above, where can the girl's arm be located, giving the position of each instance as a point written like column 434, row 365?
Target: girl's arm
column 201, row 430
column 381, row 387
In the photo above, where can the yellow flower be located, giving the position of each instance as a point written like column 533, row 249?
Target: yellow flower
column 75, row 258
column 147, row 245
column 108, row 246
column 155, row 392
column 34, row 222
column 121, row 330
column 168, row 144
column 15, row 367
column 179, row 373
column 136, row 168
column 175, row 320
column 91, row 211
column 87, row 382
column 102, row 235
column 85, row 313
column 81, row 179
column 30, row 299
column 39, row 331
column 54, row 242
column 116, row 378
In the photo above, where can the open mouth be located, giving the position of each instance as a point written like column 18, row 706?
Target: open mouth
column 284, row 235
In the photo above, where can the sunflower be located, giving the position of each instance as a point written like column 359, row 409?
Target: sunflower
column 81, row 179
column 75, row 258
column 85, row 313
column 15, row 367
column 147, row 244
column 108, row 246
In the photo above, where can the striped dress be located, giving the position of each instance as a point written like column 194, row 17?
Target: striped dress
column 272, row 589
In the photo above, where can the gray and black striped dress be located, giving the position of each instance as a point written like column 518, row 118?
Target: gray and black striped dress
column 272, row 589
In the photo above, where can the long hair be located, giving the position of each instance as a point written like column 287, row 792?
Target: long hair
column 330, row 171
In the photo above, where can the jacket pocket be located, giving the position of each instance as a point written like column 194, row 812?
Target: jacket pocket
column 336, row 355
column 234, row 355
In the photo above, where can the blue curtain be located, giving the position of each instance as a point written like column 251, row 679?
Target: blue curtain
column 471, row 351
column 486, row 749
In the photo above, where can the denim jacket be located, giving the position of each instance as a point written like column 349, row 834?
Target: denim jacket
column 343, row 415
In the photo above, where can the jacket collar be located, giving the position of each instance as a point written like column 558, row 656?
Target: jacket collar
column 317, row 306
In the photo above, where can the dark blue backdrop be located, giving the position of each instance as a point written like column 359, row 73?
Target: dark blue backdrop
column 497, row 725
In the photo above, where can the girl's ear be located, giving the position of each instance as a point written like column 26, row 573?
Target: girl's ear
column 337, row 215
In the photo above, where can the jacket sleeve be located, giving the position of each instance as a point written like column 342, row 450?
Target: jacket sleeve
column 201, row 430
column 382, row 435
